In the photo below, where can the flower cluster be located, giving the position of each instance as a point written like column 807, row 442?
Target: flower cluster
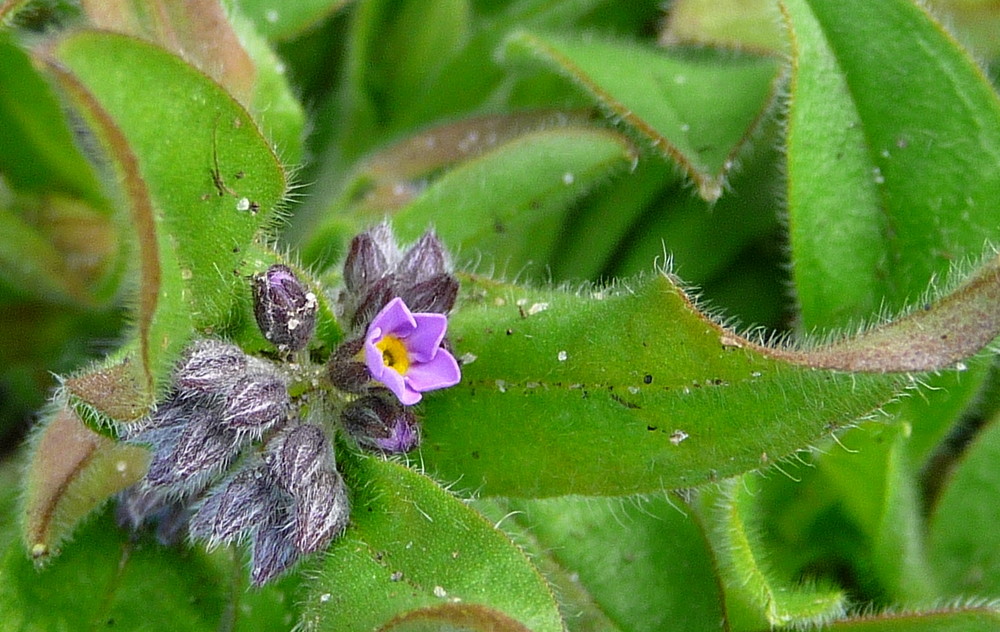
column 233, row 460
column 396, row 302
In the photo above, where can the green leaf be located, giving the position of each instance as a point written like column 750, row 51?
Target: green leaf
column 105, row 580
column 616, row 550
column 880, row 93
column 73, row 471
column 963, row 619
column 533, row 178
column 756, row 596
column 962, row 542
column 416, row 556
column 671, row 102
column 285, row 20
column 37, row 150
column 198, row 185
column 748, row 24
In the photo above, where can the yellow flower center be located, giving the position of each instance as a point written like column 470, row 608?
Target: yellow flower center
column 394, row 353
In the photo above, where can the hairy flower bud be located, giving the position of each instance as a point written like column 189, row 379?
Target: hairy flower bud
column 209, row 368
column 138, row 506
column 273, row 550
column 258, row 401
column 425, row 259
column 296, row 455
column 435, row 294
column 192, row 454
column 235, row 508
column 366, row 262
column 321, row 512
column 381, row 424
column 346, row 370
column 284, row 307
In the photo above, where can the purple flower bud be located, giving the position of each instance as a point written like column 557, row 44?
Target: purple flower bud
column 380, row 424
column 193, row 454
column 209, row 368
column 296, row 455
column 284, row 307
column 258, row 401
column 138, row 506
column 425, row 259
column 321, row 512
column 435, row 294
column 366, row 263
column 235, row 507
column 347, row 371
column 273, row 551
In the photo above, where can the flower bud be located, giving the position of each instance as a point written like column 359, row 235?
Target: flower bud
column 373, row 300
column 296, row 455
column 435, row 294
column 321, row 512
column 366, row 263
column 193, row 454
column 235, row 508
column 258, row 401
column 345, row 370
column 138, row 506
column 380, row 424
column 273, row 550
column 284, row 307
column 209, row 368
column 424, row 259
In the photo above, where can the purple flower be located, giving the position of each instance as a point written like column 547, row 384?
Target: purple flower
column 403, row 351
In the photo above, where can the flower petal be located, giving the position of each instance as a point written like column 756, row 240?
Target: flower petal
column 424, row 341
column 399, row 387
column 440, row 372
column 395, row 318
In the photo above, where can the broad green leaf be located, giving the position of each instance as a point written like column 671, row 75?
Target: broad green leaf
column 962, row 539
column 756, row 596
column 644, row 563
column 532, row 179
column 105, row 580
column 37, row 150
column 284, row 20
column 971, row 618
column 414, row 556
column 697, row 112
column 633, row 390
column 750, row 24
column 73, row 471
column 880, row 93
column 198, row 185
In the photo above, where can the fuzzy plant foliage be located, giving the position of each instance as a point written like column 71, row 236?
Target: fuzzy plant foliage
column 532, row 315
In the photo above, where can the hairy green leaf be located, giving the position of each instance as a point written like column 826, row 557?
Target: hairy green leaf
column 416, row 556
column 672, row 103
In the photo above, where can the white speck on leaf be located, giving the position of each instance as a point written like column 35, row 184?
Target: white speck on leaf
column 440, row 592
column 271, row 16
column 536, row 308
column 678, row 436
column 561, row 356
column 325, row 597
column 468, row 358
column 568, row 178
column 243, row 204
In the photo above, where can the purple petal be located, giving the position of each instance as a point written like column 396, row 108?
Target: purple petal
column 395, row 318
column 424, row 341
column 399, row 387
column 441, row 372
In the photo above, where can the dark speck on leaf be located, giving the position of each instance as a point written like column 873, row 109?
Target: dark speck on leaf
column 647, row 379
column 510, row 332
column 651, row 428
column 475, row 454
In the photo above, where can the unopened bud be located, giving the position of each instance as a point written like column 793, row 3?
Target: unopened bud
column 436, row 294
column 296, row 455
column 346, row 371
column 373, row 300
column 381, row 424
column 258, row 401
column 138, row 506
column 273, row 551
column 209, row 368
column 366, row 263
column 425, row 259
column 321, row 512
column 196, row 452
column 284, row 307
column 235, row 508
